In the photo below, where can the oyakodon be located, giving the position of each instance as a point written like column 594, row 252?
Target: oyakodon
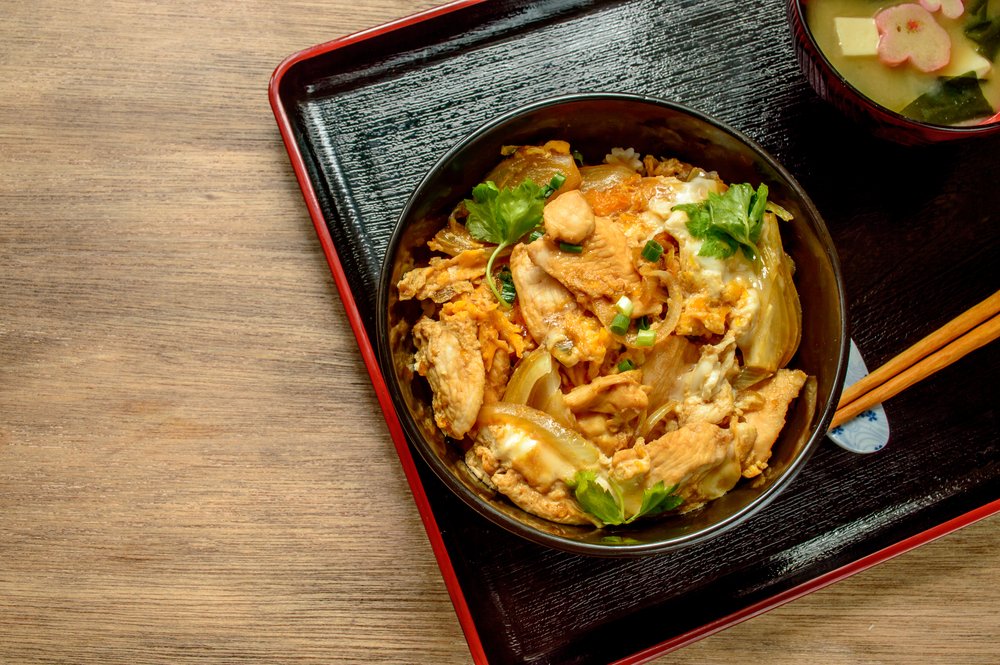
column 608, row 342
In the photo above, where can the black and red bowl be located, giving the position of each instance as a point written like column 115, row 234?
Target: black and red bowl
column 877, row 119
column 593, row 123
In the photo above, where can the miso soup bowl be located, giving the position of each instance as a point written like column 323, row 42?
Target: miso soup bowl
column 877, row 119
column 593, row 124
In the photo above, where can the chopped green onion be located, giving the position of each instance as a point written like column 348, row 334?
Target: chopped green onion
column 577, row 157
column 555, row 183
column 645, row 337
column 624, row 305
column 652, row 251
column 535, row 235
column 626, row 365
column 507, row 291
column 572, row 249
column 619, row 324
column 642, row 323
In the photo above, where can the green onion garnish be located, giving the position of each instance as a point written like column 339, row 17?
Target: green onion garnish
column 535, row 235
column 507, row 291
column 652, row 251
column 554, row 184
column 572, row 249
column 624, row 305
column 642, row 323
column 626, row 365
column 645, row 337
column 619, row 324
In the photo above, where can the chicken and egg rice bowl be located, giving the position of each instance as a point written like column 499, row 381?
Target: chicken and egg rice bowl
column 608, row 342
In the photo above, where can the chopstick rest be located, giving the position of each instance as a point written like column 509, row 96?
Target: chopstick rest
column 967, row 332
column 869, row 431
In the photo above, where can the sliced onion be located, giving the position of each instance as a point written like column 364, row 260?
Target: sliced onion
column 534, row 444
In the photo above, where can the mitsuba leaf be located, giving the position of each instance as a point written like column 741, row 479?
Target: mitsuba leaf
column 520, row 209
column 607, row 504
column 596, row 499
column 504, row 216
column 728, row 222
column 656, row 500
column 954, row 99
column 483, row 223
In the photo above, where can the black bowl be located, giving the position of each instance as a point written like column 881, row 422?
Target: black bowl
column 872, row 116
column 593, row 123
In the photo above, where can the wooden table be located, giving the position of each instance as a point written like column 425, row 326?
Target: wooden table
column 193, row 466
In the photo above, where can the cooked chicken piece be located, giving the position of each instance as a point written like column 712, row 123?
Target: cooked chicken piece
column 497, row 376
column 610, row 394
column 552, row 314
column 443, row 279
column 603, row 269
column 608, row 409
column 529, row 465
column 699, row 458
column 557, row 504
column 448, row 355
column 568, row 218
column 777, row 393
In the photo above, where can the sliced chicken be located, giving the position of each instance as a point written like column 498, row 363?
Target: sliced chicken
column 552, row 315
column 448, row 355
column 608, row 409
column 776, row 395
column 699, row 458
column 555, row 502
column 568, row 218
column 603, row 271
column 443, row 279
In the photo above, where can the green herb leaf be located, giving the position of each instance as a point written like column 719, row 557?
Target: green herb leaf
column 656, row 500
column 952, row 100
column 728, row 222
column 483, row 223
column 504, row 216
column 606, row 506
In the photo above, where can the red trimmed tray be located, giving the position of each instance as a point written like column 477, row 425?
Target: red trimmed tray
column 363, row 118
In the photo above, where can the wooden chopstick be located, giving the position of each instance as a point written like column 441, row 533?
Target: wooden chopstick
column 960, row 336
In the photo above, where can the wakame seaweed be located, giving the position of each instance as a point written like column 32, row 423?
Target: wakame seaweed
column 953, row 99
column 983, row 29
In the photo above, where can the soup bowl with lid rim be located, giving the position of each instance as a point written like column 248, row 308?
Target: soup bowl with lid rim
column 875, row 118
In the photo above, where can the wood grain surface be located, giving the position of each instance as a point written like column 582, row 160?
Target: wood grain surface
column 193, row 467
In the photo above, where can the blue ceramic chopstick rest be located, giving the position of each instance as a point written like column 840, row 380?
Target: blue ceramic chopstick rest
column 867, row 432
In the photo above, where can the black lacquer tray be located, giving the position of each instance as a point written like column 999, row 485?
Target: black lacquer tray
column 365, row 116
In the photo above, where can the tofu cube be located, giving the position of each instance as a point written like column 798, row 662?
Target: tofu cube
column 857, row 36
column 965, row 60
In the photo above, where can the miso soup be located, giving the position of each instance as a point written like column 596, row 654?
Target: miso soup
column 912, row 58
